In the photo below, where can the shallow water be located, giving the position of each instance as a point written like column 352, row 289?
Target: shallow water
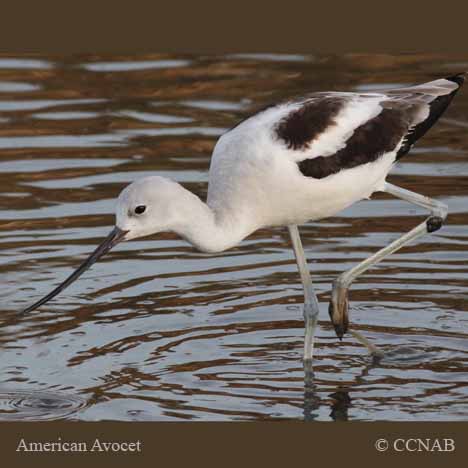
column 158, row 331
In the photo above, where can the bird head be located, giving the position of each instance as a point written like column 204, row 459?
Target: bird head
column 147, row 206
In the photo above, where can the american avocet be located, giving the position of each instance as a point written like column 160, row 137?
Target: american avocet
column 300, row 160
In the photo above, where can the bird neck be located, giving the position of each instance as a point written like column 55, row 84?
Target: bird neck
column 210, row 230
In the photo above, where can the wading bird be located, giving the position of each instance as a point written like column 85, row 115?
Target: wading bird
column 300, row 160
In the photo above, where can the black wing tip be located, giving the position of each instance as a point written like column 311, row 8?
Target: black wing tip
column 459, row 78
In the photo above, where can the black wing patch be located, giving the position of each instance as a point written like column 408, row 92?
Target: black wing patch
column 300, row 127
column 383, row 133
column 369, row 141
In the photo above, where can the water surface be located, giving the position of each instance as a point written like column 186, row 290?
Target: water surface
column 158, row 331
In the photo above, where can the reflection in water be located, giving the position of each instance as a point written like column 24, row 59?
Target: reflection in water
column 341, row 403
column 340, row 400
column 158, row 331
column 311, row 399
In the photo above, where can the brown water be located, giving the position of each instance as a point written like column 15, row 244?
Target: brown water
column 158, row 331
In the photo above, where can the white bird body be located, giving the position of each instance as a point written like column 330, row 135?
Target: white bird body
column 263, row 186
column 255, row 182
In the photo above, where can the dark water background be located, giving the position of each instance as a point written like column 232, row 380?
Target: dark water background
column 158, row 331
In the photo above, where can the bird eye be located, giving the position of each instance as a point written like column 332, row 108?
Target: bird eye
column 140, row 209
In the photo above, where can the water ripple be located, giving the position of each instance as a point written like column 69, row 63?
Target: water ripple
column 38, row 406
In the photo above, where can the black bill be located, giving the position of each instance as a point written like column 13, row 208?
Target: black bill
column 110, row 241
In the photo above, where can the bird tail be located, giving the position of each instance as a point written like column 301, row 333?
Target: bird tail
column 437, row 95
column 459, row 79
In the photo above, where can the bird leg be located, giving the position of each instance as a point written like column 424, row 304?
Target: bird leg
column 338, row 308
column 311, row 306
